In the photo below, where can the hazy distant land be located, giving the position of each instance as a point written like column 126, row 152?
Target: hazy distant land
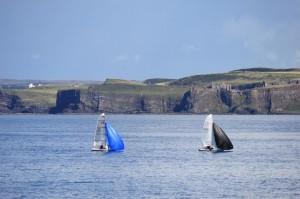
column 245, row 91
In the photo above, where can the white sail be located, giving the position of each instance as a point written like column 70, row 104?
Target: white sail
column 208, row 138
column 100, row 138
column 213, row 137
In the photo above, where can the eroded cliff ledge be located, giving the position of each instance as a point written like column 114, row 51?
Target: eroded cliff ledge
column 198, row 100
column 84, row 101
column 11, row 103
column 276, row 100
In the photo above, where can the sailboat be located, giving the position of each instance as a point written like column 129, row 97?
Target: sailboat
column 213, row 137
column 106, row 138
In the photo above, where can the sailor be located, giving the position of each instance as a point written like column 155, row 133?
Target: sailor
column 209, row 148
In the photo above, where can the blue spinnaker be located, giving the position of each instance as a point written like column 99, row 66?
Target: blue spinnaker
column 115, row 141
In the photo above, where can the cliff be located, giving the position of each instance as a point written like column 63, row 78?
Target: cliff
column 276, row 100
column 85, row 101
column 201, row 100
column 247, row 91
column 11, row 102
column 198, row 100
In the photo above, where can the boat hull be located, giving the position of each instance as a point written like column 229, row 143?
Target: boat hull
column 213, row 150
column 98, row 149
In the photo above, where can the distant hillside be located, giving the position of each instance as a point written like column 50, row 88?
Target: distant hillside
column 139, row 89
column 244, row 91
column 122, row 82
column 242, row 76
column 267, row 70
column 23, row 84
column 159, row 81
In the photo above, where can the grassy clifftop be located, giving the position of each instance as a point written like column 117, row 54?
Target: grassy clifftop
column 137, row 89
column 40, row 96
column 163, row 86
column 243, row 76
column 45, row 96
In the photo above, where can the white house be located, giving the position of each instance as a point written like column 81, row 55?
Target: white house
column 31, row 85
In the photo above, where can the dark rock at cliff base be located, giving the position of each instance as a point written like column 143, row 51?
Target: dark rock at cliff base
column 12, row 103
column 84, row 101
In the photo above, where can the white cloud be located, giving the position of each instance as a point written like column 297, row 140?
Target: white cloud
column 272, row 56
column 136, row 57
column 250, row 31
column 296, row 60
column 189, row 47
column 120, row 58
column 35, row 56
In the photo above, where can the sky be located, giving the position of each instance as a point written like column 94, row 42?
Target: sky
column 142, row 39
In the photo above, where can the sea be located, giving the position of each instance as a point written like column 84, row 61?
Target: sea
column 49, row 156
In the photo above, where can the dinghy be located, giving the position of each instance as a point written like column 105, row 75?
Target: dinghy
column 213, row 137
column 106, row 138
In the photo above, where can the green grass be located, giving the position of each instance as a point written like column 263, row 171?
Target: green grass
column 150, row 90
column 258, row 69
column 43, row 96
column 123, row 82
column 178, row 87
column 38, row 97
column 238, row 77
column 159, row 81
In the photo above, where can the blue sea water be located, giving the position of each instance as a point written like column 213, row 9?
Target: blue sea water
column 48, row 156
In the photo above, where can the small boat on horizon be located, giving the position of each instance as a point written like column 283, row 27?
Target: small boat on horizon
column 213, row 137
column 106, row 138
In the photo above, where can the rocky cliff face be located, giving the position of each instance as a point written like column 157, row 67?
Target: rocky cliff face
column 200, row 100
column 12, row 103
column 277, row 100
column 84, row 101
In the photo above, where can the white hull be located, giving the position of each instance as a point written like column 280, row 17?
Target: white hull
column 98, row 149
column 204, row 150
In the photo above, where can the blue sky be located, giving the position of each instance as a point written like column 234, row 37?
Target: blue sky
column 141, row 39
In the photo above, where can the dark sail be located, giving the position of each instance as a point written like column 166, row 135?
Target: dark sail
column 222, row 141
